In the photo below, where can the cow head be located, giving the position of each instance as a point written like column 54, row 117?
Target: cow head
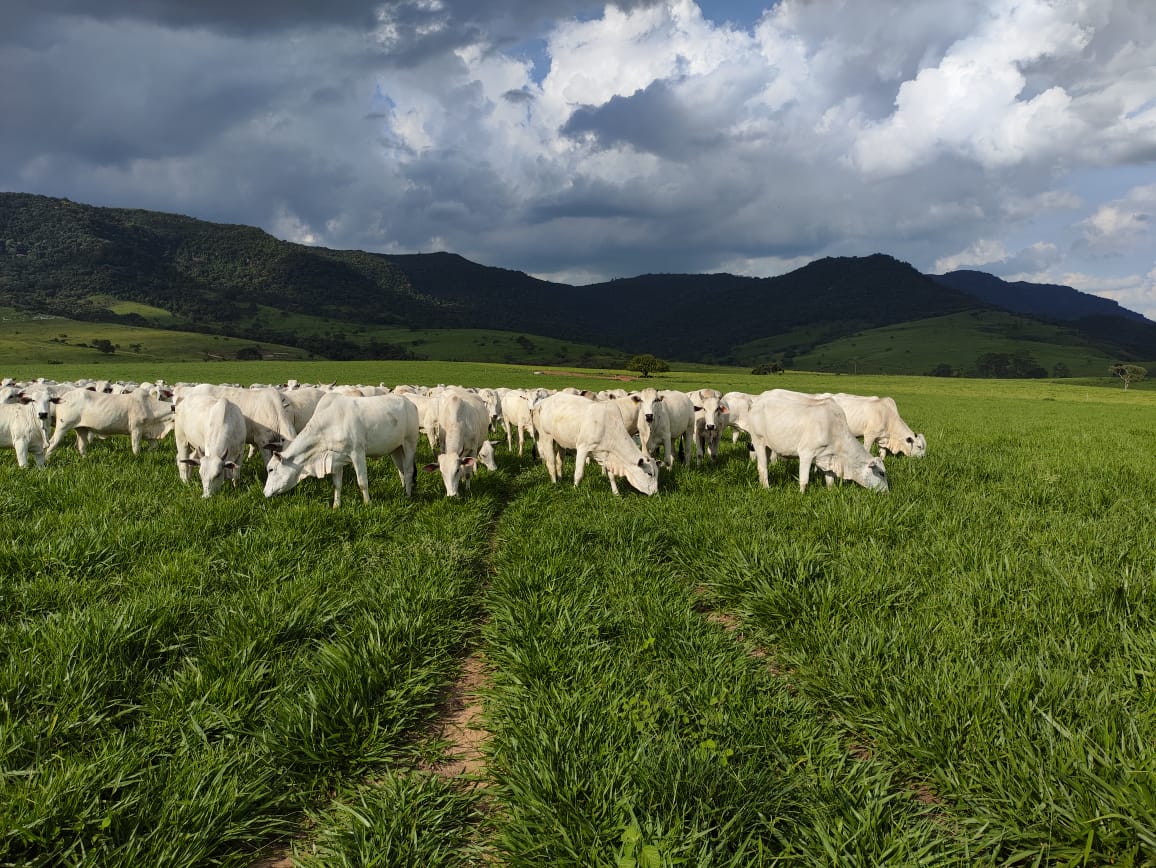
column 456, row 471
column 874, row 476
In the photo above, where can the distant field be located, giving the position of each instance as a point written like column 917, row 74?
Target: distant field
column 957, row 340
column 45, row 342
column 958, row 672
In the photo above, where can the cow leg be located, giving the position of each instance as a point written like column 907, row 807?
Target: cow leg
column 404, row 461
column 21, row 452
column 613, row 482
column 82, row 440
column 546, row 450
column 805, row 460
column 135, row 436
column 57, row 438
column 759, row 453
column 337, row 475
column 182, row 457
column 580, row 463
column 362, row 473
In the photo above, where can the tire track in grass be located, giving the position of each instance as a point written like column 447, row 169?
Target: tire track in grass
column 859, row 747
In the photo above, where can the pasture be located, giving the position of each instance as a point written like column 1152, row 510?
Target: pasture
column 961, row 671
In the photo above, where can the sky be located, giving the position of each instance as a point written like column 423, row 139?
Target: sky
column 578, row 141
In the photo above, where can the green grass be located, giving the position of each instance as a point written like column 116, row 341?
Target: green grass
column 958, row 340
column 50, row 344
column 958, row 672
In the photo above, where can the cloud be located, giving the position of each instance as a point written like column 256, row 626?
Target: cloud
column 1123, row 224
column 564, row 137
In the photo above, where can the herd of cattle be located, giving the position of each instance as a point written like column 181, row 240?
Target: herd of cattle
column 314, row 431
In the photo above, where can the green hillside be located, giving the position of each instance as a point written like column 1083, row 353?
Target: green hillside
column 174, row 287
column 957, row 341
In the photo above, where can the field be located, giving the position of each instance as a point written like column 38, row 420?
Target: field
column 961, row 671
column 46, row 343
column 957, row 340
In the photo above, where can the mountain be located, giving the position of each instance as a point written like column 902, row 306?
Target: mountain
column 164, row 270
column 1047, row 300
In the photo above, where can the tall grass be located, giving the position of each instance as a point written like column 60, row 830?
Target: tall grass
column 180, row 679
column 958, row 672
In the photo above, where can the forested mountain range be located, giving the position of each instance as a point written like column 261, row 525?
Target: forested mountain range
column 165, row 270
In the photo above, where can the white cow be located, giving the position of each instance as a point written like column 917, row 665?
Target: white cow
column 137, row 414
column 463, row 424
column 268, row 424
column 816, row 430
column 877, row 420
column 738, row 405
column 680, row 418
column 710, row 417
column 347, row 430
column 427, row 415
column 210, row 435
column 654, row 426
column 593, row 429
column 20, row 429
column 516, row 415
column 300, row 401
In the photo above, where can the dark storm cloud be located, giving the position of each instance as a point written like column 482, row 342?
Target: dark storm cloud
column 652, row 120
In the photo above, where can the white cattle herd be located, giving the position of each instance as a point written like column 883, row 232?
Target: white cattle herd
column 302, row 430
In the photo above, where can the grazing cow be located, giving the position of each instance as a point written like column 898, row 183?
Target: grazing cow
column 680, row 418
column 210, row 435
column 593, row 429
column 21, row 430
column 877, row 420
column 347, row 430
column 710, row 417
column 816, row 430
column 268, row 424
column 654, row 426
column 463, row 423
column 137, row 414
column 516, row 414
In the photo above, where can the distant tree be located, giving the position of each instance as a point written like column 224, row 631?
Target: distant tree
column 943, row 369
column 1061, row 370
column 1128, row 373
column 249, row 354
column 1019, row 365
column 104, row 345
column 767, row 368
column 647, row 364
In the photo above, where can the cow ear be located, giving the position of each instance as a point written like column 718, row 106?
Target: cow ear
column 722, row 408
column 635, row 399
column 53, row 400
column 659, row 398
column 230, row 465
column 468, row 462
column 430, row 468
column 191, row 462
column 698, row 409
column 24, row 399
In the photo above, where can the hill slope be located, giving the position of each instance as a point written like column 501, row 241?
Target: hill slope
column 147, row 268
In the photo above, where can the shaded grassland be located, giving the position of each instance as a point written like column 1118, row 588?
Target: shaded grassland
column 957, row 672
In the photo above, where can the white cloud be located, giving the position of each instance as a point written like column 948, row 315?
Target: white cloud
column 949, row 133
column 1123, row 224
column 982, row 252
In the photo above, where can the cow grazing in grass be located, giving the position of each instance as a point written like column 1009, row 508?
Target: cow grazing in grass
column 347, row 430
column 815, row 430
column 594, row 429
